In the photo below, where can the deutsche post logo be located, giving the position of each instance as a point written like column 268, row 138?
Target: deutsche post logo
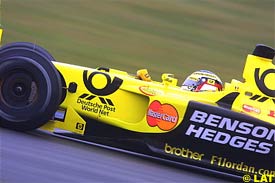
column 110, row 87
column 260, row 81
column 165, row 116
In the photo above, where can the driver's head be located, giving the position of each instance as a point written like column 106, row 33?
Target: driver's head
column 202, row 80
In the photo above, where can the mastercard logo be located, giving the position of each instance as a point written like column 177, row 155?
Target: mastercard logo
column 165, row 116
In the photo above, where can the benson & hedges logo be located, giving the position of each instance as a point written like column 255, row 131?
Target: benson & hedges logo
column 165, row 116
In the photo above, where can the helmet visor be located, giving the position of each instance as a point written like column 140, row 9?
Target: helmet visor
column 190, row 84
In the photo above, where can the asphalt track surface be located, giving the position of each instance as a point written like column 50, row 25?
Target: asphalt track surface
column 38, row 157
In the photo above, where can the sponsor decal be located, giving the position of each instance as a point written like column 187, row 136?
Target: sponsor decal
column 260, row 81
column 182, row 152
column 102, row 100
column 249, row 108
column 148, row 91
column 110, row 87
column 103, row 107
column 271, row 113
column 165, row 116
column 211, row 81
column 79, row 126
column 226, row 163
column 231, row 132
column 219, row 161
column 260, row 98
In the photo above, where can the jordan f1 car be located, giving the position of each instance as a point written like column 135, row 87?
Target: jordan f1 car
column 229, row 131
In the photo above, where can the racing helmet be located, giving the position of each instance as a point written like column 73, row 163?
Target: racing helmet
column 202, row 80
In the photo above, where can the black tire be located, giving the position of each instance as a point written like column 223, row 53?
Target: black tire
column 30, row 86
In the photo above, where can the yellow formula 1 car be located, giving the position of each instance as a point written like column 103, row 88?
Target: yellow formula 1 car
column 229, row 131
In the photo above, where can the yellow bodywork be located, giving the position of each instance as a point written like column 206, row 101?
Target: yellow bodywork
column 261, row 104
column 1, row 32
column 129, row 107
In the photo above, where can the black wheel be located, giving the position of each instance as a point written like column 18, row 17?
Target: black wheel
column 30, row 86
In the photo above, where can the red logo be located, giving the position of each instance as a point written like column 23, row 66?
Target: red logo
column 271, row 113
column 249, row 108
column 147, row 91
column 165, row 116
